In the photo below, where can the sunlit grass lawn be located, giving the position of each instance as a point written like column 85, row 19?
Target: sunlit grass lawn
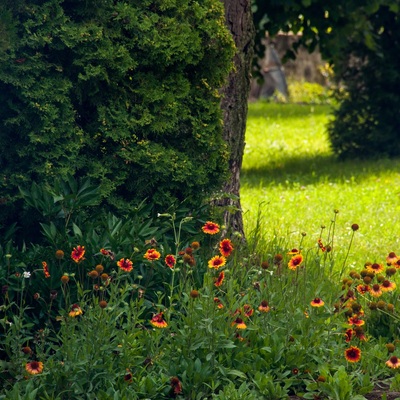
column 291, row 176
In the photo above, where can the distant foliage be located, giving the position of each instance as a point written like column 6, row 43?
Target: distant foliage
column 366, row 123
column 126, row 93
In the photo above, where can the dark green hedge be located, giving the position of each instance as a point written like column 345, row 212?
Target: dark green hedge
column 367, row 122
column 125, row 92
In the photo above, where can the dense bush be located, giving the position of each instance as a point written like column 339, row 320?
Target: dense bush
column 365, row 123
column 123, row 92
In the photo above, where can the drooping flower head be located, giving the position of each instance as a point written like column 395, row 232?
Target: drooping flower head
column 317, row 302
column 264, row 307
column 78, row 253
column 176, row 385
column 349, row 334
column 125, row 264
column 248, row 310
column 225, row 247
column 388, row 286
column 34, row 367
column 321, row 245
column 392, row 258
column 75, row 311
column 239, row 323
column 210, row 228
column 393, row 362
column 158, row 321
column 353, row 354
column 217, row 301
column 376, row 290
column 217, row 262
column 170, row 261
column 295, row 261
column 152, row 255
column 220, row 280
column 45, row 269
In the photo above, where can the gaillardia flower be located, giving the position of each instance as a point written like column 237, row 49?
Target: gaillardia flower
column 317, row 302
column 353, row 354
column 34, row 367
column 248, row 310
column 295, row 261
column 217, row 262
column 264, row 307
column 78, row 253
column 75, row 311
column 354, row 320
column 375, row 268
column 393, row 362
column 376, row 290
column 239, row 323
column 211, row 228
column 387, row 286
column 225, row 247
column 152, row 255
column 392, row 258
column 125, row 264
column 158, row 321
column 170, row 261
column 220, row 280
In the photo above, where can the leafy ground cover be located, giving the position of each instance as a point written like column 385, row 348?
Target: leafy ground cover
column 168, row 306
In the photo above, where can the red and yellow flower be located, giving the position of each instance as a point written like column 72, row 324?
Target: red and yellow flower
column 210, row 228
column 170, row 260
column 352, row 354
column 78, row 253
column 295, row 261
column 248, row 310
column 264, row 307
column 376, row 290
column 217, row 262
column 158, row 321
column 45, row 269
column 356, row 321
column 217, row 301
column 387, row 286
column 220, row 280
column 152, row 255
column 239, row 323
column 375, row 268
column 34, row 367
column 75, row 311
column 317, row 302
column 125, row 264
column 225, row 247
column 393, row 362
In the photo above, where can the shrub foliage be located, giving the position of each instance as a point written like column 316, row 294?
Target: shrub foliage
column 123, row 92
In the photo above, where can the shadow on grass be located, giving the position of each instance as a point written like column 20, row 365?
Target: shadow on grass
column 311, row 169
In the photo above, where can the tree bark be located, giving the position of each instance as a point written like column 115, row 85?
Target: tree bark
column 239, row 20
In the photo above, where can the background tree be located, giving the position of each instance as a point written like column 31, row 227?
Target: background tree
column 126, row 93
column 360, row 40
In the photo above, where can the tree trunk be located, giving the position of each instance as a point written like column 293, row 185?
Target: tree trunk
column 239, row 20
